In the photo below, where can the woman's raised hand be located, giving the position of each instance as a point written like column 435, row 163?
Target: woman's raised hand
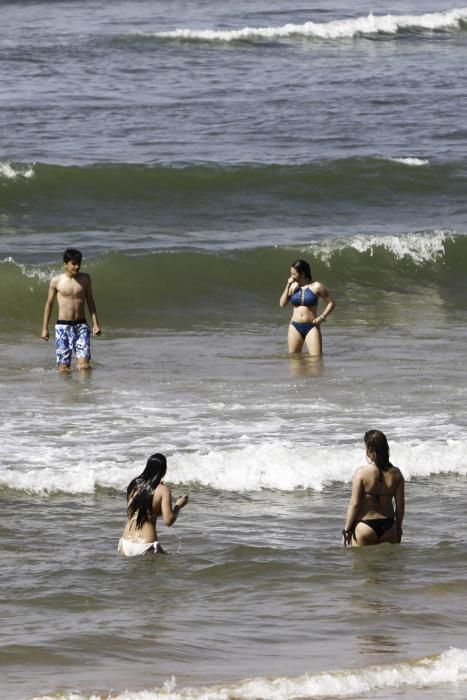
column 182, row 501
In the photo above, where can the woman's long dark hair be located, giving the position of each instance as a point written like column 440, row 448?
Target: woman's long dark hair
column 141, row 490
column 377, row 444
column 303, row 268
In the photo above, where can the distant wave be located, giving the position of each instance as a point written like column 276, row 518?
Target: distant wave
column 278, row 466
column 428, row 672
column 14, row 173
column 415, row 162
column 454, row 19
column 162, row 188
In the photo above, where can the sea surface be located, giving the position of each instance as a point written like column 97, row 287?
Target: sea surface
column 192, row 151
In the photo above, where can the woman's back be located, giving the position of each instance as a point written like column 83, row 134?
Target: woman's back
column 376, row 508
column 147, row 532
column 379, row 487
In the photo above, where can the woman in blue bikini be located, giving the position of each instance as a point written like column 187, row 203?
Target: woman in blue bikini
column 304, row 294
column 376, row 508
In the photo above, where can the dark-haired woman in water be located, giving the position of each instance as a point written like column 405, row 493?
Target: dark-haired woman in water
column 304, row 294
column 376, row 508
column 148, row 498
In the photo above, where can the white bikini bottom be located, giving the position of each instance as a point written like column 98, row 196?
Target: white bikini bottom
column 134, row 549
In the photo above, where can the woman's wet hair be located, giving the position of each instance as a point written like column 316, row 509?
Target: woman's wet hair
column 378, row 448
column 141, row 490
column 303, row 268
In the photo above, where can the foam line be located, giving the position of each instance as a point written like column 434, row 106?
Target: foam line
column 337, row 29
column 429, row 672
column 277, row 466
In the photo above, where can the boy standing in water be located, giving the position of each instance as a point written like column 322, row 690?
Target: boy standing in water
column 73, row 290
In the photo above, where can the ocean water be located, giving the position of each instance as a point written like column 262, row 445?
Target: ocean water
column 192, row 151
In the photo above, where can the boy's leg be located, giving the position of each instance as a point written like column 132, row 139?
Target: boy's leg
column 82, row 344
column 63, row 347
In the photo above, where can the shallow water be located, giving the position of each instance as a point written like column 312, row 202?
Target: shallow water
column 262, row 590
column 192, row 169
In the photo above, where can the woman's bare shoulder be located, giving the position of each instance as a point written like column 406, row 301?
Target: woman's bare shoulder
column 317, row 286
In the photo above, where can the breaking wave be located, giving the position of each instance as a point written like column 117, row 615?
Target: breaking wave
column 429, row 672
column 450, row 20
column 276, row 465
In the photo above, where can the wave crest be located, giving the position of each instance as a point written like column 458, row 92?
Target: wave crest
column 447, row 667
column 337, row 29
column 8, row 171
column 418, row 246
column 273, row 466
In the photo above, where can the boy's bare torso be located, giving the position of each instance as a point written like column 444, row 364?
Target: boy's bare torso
column 71, row 295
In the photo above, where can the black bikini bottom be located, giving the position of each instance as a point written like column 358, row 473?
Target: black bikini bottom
column 378, row 525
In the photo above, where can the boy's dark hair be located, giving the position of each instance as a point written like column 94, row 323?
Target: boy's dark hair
column 72, row 254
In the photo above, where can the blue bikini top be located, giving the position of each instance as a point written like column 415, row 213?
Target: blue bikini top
column 304, row 296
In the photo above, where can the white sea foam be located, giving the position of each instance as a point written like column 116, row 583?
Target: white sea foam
column 9, row 172
column 419, row 246
column 429, row 672
column 31, row 271
column 338, row 29
column 278, row 466
column 413, row 162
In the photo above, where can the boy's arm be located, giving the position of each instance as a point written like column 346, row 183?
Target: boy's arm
column 96, row 329
column 48, row 308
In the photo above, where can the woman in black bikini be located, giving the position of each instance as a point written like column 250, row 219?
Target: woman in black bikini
column 304, row 295
column 376, row 508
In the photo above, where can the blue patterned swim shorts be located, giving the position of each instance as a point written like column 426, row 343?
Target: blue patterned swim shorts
column 72, row 336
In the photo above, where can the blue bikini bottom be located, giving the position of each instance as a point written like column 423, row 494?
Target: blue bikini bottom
column 303, row 328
